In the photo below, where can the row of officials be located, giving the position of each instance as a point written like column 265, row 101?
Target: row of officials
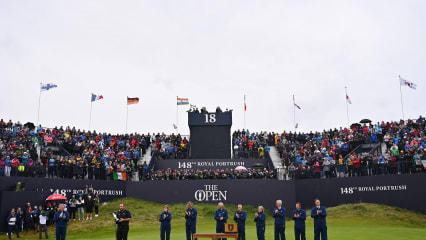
column 318, row 213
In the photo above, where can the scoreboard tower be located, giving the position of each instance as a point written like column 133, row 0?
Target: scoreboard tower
column 210, row 135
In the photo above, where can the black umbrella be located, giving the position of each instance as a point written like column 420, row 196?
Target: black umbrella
column 365, row 121
column 355, row 125
column 257, row 165
column 29, row 125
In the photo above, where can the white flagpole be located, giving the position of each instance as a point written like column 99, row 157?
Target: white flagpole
column 244, row 111
column 347, row 106
column 127, row 113
column 400, row 91
column 90, row 116
column 177, row 115
column 38, row 111
column 294, row 114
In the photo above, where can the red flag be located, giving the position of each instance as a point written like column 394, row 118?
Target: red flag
column 297, row 106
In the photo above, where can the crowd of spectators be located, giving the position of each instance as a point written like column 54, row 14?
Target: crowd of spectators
column 328, row 153
column 91, row 154
column 106, row 156
column 38, row 218
column 170, row 147
column 188, row 174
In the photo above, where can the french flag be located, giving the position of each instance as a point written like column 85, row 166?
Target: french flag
column 96, row 97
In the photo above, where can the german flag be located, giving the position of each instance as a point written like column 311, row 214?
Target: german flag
column 131, row 101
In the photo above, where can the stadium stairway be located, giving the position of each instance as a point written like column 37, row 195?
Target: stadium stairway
column 275, row 156
column 145, row 158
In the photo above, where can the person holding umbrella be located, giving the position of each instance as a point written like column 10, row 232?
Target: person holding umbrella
column 61, row 219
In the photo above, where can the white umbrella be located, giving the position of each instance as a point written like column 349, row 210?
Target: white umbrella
column 240, row 168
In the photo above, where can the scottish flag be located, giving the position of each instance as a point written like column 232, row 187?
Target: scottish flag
column 47, row 86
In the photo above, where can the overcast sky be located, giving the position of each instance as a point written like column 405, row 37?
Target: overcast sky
column 212, row 52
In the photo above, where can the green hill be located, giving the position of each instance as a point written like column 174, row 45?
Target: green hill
column 351, row 221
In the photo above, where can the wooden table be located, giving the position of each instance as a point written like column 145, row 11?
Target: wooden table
column 215, row 236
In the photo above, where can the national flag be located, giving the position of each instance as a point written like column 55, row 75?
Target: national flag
column 245, row 105
column 348, row 99
column 131, row 101
column 182, row 101
column 96, row 97
column 47, row 86
column 404, row 82
column 297, row 106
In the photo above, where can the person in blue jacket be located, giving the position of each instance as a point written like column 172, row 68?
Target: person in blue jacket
column 191, row 220
column 260, row 218
column 221, row 215
column 240, row 218
column 166, row 227
column 61, row 219
column 319, row 213
column 299, row 217
column 279, row 215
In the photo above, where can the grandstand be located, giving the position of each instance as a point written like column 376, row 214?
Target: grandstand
column 362, row 150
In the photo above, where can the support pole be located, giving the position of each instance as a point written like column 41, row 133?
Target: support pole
column 294, row 114
column 38, row 111
column 245, row 111
column 402, row 104
column 90, row 117
column 127, row 116
column 177, row 115
column 347, row 106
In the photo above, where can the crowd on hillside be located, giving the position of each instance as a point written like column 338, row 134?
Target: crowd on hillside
column 327, row 153
column 84, row 205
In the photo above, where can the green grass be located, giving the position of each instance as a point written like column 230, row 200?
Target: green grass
column 345, row 222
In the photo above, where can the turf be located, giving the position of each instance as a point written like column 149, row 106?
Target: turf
column 345, row 222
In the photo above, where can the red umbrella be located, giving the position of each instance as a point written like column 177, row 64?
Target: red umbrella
column 54, row 197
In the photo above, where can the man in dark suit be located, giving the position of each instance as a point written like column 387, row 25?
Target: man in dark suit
column 221, row 215
column 299, row 217
column 319, row 213
column 240, row 218
column 279, row 215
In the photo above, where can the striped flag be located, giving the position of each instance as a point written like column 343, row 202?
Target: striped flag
column 131, row 101
column 47, row 86
column 96, row 97
column 182, row 101
column 409, row 84
column 348, row 99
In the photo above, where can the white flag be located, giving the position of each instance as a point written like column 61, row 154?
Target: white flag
column 404, row 82
column 47, row 86
column 348, row 99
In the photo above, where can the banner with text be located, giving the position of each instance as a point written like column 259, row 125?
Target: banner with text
column 214, row 164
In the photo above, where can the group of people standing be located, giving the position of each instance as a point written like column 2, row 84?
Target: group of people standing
column 318, row 213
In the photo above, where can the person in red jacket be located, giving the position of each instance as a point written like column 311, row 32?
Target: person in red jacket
column 15, row 165
column 357, row 166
